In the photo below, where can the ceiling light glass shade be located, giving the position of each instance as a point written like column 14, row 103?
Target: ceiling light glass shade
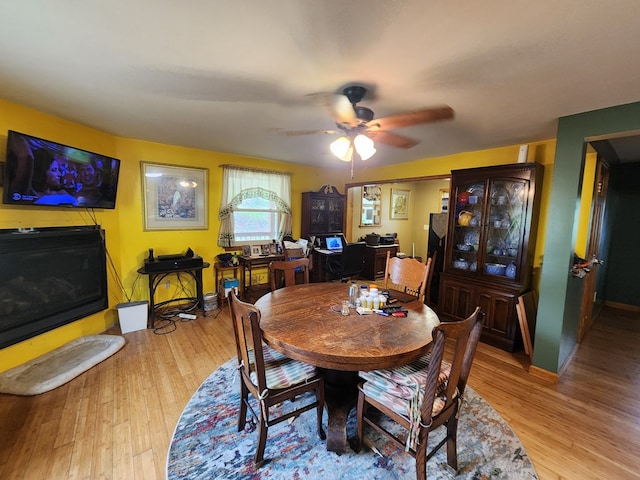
column 342, row 148
column 364, row 146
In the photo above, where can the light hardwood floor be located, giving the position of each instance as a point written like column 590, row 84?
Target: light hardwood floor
column 116, row 420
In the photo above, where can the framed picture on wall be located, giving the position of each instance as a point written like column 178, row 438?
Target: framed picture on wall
column 399, row 204
column 174, row 197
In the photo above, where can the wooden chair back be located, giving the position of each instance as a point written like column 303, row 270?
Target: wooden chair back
column 430, row 263
column 246, row 329
column 288, row 270
column 407, row 275
column 465, row 335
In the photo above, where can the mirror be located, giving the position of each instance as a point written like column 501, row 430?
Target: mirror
column 371, row 200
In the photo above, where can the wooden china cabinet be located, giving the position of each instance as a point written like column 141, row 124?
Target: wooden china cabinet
column 490, row 246
column 323, row 212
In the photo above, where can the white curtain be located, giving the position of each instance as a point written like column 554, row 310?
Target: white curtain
column 240, row 183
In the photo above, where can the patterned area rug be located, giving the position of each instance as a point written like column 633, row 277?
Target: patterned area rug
column 207, row 445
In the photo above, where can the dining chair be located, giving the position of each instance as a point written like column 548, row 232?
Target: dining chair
column 407, row 275
column 288, row 269
column 423, row 395
column 430, row 263
column 270, row 377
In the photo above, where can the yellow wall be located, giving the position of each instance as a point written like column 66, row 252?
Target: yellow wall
column 22, row 119
column 128, row 242
column 584, row 219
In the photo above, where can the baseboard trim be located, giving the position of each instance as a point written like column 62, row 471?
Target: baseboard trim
column 622, row 306
column 543, row 374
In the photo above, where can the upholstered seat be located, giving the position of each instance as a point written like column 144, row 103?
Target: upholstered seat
column 402, row 381
column 281, row 371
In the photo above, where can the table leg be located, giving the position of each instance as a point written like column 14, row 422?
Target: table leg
column 199, row 292
column 340, row 397
column 152, row 306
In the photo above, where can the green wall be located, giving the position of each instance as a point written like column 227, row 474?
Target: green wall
column 558, row 311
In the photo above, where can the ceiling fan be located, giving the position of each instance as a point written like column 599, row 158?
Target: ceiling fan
column 356, row 121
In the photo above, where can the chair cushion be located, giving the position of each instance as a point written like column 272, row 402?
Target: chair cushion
column 401, row 389
column 410, row 375
column 281, row 371
column 400, row 405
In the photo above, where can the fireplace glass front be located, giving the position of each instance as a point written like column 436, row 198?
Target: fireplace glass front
column 49, row 277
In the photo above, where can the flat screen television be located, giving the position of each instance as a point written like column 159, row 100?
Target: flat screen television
column 44, row 173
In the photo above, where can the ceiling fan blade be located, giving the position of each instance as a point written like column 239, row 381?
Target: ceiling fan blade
column 407, row 119
column 392, row 139
column 294, row 133
column 338, row 107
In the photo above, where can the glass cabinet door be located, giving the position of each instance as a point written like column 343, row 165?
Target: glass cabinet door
column 318, row 215
column 488, row 233
column 335, row 215
column 468, row 236
column 506, row 210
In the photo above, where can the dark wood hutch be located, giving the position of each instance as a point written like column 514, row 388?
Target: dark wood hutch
column 490, row 247
column 323, row 212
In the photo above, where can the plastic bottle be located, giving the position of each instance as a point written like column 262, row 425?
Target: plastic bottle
column 364, row 300
column 373, row 295
column 353, row 294
column 364, row 293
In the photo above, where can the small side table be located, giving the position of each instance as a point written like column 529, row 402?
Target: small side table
column 220, row 274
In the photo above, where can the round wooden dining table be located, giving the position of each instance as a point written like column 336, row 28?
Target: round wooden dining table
column 304, row 322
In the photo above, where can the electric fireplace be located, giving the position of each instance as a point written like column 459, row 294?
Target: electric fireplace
column 49, row 277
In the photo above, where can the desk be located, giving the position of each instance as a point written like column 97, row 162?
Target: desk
column 298, row 322
column 249, row 262
column 318, row 273
column 155, row 278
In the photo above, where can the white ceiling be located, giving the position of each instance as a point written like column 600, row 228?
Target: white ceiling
column 229, row 76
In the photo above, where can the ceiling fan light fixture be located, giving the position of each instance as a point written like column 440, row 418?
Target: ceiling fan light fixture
column 364, row 146
column 342, row 148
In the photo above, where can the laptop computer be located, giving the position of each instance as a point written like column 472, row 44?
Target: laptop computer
column 333, row 245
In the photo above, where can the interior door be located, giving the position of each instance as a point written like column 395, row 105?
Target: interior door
column 590, row 304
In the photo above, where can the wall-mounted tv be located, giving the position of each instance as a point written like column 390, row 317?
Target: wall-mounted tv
column 44, row 173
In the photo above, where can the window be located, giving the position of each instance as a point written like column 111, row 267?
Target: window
column 255, row 206
column 256, row 220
